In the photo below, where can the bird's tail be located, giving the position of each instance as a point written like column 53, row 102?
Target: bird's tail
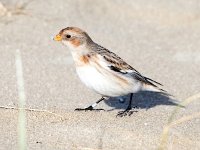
column 152, row 86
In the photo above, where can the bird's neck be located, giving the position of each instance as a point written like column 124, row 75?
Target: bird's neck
column 79, row 52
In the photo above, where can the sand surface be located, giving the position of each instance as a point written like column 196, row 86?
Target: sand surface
column 161, row 39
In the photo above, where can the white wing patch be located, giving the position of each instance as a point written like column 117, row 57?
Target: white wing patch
column 111, row 66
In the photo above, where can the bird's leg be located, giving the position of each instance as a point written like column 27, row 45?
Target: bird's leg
column 91, row 107
column 127, row 110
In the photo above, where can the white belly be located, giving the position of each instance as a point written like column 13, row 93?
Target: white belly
column 105, row 84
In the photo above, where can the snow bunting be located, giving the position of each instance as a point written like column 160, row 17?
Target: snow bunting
column 102, row 70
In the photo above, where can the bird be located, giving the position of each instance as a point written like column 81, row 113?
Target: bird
column 104, row 71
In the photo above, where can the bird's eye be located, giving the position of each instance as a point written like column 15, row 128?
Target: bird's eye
column 68, row 36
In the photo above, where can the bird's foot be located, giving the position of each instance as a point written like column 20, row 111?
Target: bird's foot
column 127, row 112
column 90, row 108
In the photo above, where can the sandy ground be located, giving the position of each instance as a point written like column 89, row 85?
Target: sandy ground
column 158, row 38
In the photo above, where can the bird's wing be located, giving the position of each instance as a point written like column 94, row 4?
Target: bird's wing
column 116, row 64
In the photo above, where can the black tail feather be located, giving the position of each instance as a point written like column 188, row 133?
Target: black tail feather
column 153, row 82
column 163, row 92
column 148, row 79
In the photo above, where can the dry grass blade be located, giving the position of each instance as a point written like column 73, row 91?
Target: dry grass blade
column 172, row 123
column 22, row 102
column 35, row 110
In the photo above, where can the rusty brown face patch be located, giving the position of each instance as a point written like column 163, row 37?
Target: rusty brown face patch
column 75, row 42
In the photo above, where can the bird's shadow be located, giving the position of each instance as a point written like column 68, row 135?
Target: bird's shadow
column 142, row 100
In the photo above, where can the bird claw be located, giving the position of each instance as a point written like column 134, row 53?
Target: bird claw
column 127, row 112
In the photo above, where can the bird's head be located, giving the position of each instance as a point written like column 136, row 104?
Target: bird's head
column 73, row 37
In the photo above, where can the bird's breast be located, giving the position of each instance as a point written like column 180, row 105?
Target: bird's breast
column 103, row 82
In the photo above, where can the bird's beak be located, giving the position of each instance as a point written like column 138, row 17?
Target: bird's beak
column 57, row 37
